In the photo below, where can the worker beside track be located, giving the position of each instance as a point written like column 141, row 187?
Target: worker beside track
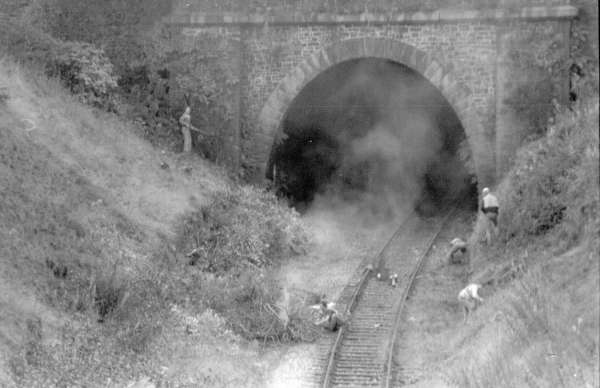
column 489, row 207
column 456, row 245
column 331, row 319
column 467, row 299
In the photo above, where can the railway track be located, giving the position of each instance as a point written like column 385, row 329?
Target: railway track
column 360, row 354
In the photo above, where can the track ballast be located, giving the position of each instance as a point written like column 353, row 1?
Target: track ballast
column 360, row 353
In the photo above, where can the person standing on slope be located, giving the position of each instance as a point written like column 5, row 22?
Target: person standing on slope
column 489, row 207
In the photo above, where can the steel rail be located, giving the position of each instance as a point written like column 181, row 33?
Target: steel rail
column 385, row 382
column 348, row 312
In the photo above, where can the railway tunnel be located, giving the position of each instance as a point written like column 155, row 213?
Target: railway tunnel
column 373, row 134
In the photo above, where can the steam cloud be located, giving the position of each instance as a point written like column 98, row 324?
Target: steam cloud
column 369, row 137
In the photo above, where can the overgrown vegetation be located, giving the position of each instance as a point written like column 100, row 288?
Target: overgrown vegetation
column 114, row 57
column 222, row 263
column 86, row 71
column 242, row 227
column 251, row 303
column 546, row 311
column 554, row 181
column 117, row 291
column 239, row 236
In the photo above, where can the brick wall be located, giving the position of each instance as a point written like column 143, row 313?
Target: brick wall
column 272, row 53
column 472, row 47
column 468, row 48
column 353, row 6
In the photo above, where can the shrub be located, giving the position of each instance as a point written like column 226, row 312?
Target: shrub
column 238, row 235
column 86, row 71
column 553, row 177
column 242, row 227
column 250, row 302
column 199, row 71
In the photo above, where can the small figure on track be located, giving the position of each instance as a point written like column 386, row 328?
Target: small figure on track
column 394, row 280
column 468, row 298
column 489, row 207
column 456, row 245
column 330, row 318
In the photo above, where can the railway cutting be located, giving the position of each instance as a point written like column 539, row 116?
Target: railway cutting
column 360, row 353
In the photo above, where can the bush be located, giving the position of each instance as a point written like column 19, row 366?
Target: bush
column 251, row 303
column 86, row 71
column 242, row 227
column 238, row 235
column 554, row 179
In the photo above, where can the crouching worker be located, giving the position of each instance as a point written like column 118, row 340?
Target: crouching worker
column 468, row 298
column 456, row 245
column 330, row 318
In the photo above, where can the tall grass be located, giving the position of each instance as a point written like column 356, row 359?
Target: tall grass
column 549, row 221
column 544, row 342
column 554, row 181
column 239, row 236
column 119, row 272
column 242, row 227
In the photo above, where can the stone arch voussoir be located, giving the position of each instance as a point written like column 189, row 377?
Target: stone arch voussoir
column 457, row 94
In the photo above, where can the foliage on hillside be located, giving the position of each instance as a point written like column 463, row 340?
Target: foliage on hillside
column 112, row 284
column 156, row 68
column 114, row 25
column 86, row 71
column 555, row 182
column 542, row 270
column 92, row 46
column 242, row 227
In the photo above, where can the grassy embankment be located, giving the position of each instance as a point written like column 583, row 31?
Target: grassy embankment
column 539, row 324
column 83, row 191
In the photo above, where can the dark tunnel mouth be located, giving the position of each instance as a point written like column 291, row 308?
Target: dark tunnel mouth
column 312, row 158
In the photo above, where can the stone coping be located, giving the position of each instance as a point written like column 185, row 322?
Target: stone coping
column 306, row 18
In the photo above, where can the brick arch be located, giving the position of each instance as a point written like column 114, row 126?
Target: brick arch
column 455, row 93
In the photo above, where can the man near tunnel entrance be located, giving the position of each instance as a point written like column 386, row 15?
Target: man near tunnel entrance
column 489, row 207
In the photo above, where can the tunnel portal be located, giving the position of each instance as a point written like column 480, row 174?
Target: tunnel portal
column 371, row 133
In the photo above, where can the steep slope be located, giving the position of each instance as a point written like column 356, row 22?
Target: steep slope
column 81, row 191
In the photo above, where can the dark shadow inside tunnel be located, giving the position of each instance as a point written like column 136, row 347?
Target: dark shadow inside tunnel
column 374, row 135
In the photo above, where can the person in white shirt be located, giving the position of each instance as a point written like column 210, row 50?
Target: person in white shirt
column 467, row 299
column 456, row 245
column 489, row 207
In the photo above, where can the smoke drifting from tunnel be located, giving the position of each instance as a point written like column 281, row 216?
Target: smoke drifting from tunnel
column 369, row 137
